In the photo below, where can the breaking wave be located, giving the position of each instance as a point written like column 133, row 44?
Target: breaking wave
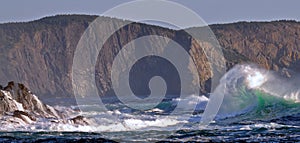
column 252, row 93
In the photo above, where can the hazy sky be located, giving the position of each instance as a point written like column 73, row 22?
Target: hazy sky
column 212, row 11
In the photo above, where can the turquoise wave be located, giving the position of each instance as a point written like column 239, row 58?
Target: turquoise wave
column 253, row 104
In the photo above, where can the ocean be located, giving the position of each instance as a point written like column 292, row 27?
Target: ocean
column 252, row 111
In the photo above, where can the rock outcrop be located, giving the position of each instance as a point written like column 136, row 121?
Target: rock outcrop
column 272, row 45
column 40, row 53
column 16, row 97
column 19, row 105
column 80, row 120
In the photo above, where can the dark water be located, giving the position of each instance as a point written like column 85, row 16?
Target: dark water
column 54, row 137
column 260, row 133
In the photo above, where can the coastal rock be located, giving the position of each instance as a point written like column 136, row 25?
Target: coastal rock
column 79, row 120
column 40, row 53
column 7, row 103
column 26, row 101
column 24, row 116
column 19, row 105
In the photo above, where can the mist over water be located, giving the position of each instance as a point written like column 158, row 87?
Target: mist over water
column 249, row 90
column 287, row 88
column 270, row 82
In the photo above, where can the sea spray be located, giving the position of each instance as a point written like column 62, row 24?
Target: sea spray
column 254, row 93
column 287, row 88
column 235, row 86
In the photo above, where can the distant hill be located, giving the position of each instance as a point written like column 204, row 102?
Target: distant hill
column 40, row 53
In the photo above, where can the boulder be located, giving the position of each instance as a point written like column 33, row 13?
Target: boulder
column 80, row 120
column 21, row 106
column 26, row 117
column 30, row 102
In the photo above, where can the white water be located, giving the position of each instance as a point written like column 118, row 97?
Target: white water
column 288, row 89
column 255, row 77
column 124, row 119
column 272, row 83
column 239, row 83
column 228, row 93
column 119, row 119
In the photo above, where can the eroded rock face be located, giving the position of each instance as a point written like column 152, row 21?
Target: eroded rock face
column 7, row 103
column 272, row 45
column 20, row 98
column 21, row 106
column 26, row 117
column 40, row 53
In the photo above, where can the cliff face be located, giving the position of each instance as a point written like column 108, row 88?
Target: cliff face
column 273, row 45
column 40, row 53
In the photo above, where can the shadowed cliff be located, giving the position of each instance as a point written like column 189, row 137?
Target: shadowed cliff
column 40, row 53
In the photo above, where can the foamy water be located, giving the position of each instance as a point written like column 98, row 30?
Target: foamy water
column 250, row 104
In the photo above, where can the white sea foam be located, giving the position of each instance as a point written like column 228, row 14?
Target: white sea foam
column 125, row 120
column 138, row 123
column 255, row 77
column 156, row 110
column 192, row 99
column 237, row 79
column 100, row 121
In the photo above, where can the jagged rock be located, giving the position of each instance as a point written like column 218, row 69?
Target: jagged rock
column 7, row 103
column 272, row 45
column 9, row 86
column 30, row 102
column 80, row 120
column 24, row 116
column 24, row 107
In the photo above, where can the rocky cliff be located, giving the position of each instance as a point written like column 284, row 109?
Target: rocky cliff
column 40, row 53
column 273, row 45
column 20, row 106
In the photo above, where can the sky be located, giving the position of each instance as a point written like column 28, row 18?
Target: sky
column 211, row 11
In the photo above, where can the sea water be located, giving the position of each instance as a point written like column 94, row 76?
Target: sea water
column 252, row 110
